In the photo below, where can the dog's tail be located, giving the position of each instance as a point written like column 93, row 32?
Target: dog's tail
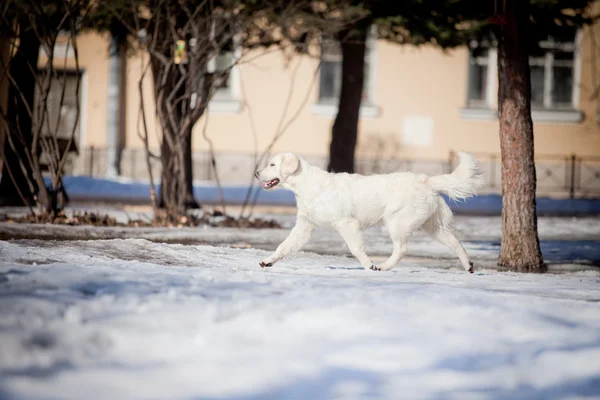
column 463, row 182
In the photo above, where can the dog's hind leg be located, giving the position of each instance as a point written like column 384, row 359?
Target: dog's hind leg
column 400, row 250
column 350, row 231
column 400, row 225
column 439, row 226
column 447, row 238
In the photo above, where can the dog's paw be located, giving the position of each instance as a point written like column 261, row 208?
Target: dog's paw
column 471, row 270
column 265, row 263
column 374, row 268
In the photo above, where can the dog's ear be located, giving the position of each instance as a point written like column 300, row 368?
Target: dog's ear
column 289, row 164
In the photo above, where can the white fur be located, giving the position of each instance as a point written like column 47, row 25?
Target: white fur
column 404, row 201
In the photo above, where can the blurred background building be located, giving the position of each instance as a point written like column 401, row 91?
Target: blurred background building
column 420, row 105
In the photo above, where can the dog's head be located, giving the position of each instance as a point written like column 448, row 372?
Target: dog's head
column 280, row 168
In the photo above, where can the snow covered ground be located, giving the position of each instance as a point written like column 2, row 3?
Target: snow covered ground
column 567, row 243
column 135, row 319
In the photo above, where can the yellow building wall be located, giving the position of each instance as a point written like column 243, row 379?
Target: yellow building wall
column 422, row 84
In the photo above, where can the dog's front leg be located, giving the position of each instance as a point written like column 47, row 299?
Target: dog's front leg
column 350, row 231
column 294, row 242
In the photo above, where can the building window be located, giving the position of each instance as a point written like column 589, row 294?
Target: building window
column 224, row 62
column 552, row 72
column 226, row 97
column 481, row 76
column 63, row 115
column 330, row 78
column 62, row 105
column 554, row 69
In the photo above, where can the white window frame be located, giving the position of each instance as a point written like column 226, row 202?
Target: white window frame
column 367, row 108
column 491, row 80
column 61, row 50
column 228, row 100
column 488, row 109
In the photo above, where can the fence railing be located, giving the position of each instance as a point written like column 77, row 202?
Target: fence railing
column 572, row 176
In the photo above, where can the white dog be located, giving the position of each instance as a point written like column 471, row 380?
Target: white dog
column 349, row 202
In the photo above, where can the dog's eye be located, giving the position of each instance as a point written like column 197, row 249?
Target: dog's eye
column 272, row 165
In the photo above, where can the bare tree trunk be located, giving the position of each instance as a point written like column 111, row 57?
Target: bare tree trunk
column 19, row 120
column 188, row 165
column 4, row 84
column 520, row 247
column 344, row 133
column 165, row 175
column 168, row 176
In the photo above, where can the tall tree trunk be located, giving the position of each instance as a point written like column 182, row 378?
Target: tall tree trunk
column 19, row 121
column 168, row 176
column 520, row 247
column 165, row 175
column 4, row 84
column 188, row 164
column 188, row 179
column 344, row 132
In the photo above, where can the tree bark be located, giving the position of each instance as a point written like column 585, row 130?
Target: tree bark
column 19, row 121
column 167, row 175
column 4, row 85
column 172, row 180
column 188, row 170
column 344, row 133
column 520, row 247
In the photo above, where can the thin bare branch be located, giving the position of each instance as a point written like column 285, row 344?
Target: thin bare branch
column 281, row 129
column 144, row 137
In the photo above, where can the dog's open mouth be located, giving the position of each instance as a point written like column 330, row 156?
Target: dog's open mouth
column 270, row 184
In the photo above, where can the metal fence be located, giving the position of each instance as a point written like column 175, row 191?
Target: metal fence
column 570, row 176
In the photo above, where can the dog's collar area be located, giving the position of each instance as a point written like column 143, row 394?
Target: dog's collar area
column 270, row 184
